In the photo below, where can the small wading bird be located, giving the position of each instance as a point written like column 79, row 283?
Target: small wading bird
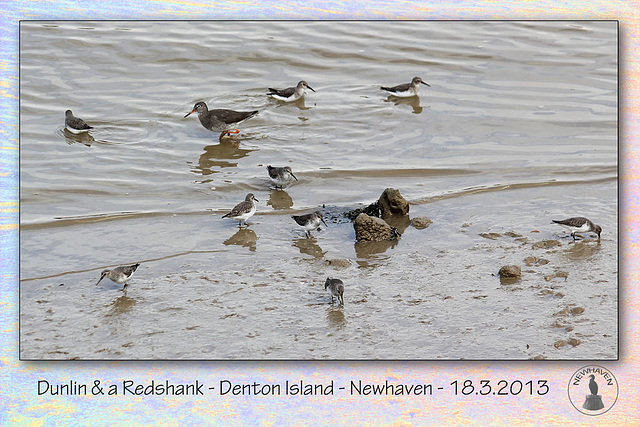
column 309, row 221
column 281, row 176
column 407, row 89
column 336, row 288
column 119, row 275
column 220, row 120
column 290, row 94
column 243, row 210
column 579, row 225
column 75, row 124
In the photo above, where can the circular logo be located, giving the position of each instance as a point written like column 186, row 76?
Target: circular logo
column 593, row 390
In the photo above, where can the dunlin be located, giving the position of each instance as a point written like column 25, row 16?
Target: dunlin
column 290, row 94
column 407, row 89
column 243, row 210
column 579, row 225
column 75, row 124
column 119, row 275
column 336, row 288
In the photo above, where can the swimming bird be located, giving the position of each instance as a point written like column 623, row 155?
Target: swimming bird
column 75, row 124
column 280, row 175
column 243, row 210
column 119, row 275
column 309, row 221
column 290, row 94
column 579, row 225
column 407, row 89
column 220, row 120
column 593, row 385
column 336, row 287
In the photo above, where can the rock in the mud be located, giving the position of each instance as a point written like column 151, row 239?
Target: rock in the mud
column 492, row 236
column 577, row 310
column 511, row 271
column 560, row 274
column 391, row 202
column 420, row 222
column 371, row 210
column 574, row 342
column 546, row 244
column 337, row 262
column 371, row 229
column 531, row 260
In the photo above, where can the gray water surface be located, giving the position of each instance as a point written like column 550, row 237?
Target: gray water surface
column 518, row 127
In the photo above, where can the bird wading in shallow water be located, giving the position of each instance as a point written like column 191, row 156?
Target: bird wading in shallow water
column 220, row 120
column 290, row 94
column 579, row 225
column 309, row 221
column 75, row 124
column 243, row 210
column 336, row 288
column 407, row 89
column 119, row 275
column 280, row 176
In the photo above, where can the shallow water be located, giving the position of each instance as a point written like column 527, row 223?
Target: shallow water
column 518, row 127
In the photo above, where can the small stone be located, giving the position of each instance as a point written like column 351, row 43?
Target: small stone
column 574, row 342
column 338, row 262
column 492, row 236
column 561, row 274
column 577, row 310
column 510, row 271
column 531, row 260
column 560, row 344
column 420, row 222
column 512, row 234
column 546, row 244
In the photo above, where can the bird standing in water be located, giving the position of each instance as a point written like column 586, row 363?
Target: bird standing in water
column 75, row 124
column 220, row 120
column 407, row 89
column 579, row 225
column 243, row 210
column 119, row 275
column 336, row 288
column 290, row 94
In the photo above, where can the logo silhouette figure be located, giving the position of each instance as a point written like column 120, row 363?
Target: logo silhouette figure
column 593, row 385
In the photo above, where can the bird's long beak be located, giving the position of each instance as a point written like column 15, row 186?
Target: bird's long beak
column 425, row 83
column 193, row 111
column 101, row 277
column 322, row 219
column 311, row 88
column 294, row 177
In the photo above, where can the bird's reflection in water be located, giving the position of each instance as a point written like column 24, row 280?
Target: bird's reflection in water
column 121, row 305
column 280, row 199
column 81, row 138
column 218, row 156
column 298, row 103
column 308, row 246
column 244, row 237
column 335, row 316
column 413, row 101
column 582, row 250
